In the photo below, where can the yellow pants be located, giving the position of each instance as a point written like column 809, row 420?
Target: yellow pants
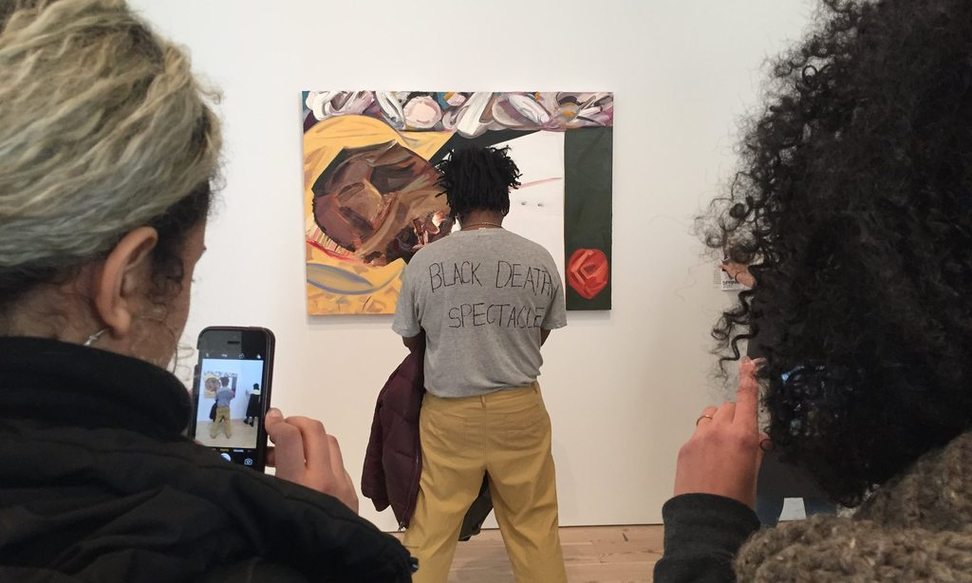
column 222, row 419
column 506, row 435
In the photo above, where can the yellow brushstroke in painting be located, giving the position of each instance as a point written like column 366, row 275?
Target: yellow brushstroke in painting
column 322, row 143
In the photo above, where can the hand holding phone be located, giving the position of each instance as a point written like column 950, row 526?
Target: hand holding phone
column 231, row 392
column 306, row 454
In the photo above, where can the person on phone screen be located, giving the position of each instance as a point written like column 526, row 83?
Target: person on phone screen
column 224, row 417
column 253, row 405
column 108, row 147
column 481, row 302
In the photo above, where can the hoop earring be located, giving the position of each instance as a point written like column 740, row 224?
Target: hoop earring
column 94, row 337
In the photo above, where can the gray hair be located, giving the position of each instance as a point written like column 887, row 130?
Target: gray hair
column 102, row 128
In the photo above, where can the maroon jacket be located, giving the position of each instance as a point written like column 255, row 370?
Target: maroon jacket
column 393, row 461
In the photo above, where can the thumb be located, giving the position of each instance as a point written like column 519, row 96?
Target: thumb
column 273, row 417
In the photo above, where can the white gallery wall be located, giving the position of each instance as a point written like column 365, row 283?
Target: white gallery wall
column 623, row 387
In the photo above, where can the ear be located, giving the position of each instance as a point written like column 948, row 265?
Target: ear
column 124, row 276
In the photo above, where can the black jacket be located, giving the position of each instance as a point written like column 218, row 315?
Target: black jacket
column 97, row 483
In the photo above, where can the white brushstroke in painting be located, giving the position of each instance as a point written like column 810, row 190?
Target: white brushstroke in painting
column 537, row 208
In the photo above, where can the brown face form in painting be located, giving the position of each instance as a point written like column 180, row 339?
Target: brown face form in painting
column 381, row 202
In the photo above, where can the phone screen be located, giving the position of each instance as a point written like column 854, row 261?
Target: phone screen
column 232, row 392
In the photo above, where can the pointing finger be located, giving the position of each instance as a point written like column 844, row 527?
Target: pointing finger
column 747, row 397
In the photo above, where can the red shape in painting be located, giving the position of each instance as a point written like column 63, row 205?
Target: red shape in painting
column 587, row 272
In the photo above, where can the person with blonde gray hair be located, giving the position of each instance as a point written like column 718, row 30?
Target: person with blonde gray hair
column 108, row 149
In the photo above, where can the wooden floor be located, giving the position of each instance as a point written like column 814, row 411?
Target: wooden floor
column 598, row 554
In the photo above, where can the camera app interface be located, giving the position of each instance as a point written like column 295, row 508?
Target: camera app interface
column 230, row 409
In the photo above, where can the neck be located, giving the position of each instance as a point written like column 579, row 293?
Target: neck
column 49, row 312
column 481, row 220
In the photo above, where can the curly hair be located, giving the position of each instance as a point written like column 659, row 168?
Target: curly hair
column 853, row 207
column 478, row 178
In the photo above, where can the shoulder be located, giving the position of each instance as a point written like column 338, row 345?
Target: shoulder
column 530, row 248
column 207, row 490
column 254, row 570
column 431, row 253
column 824, row 547
column 515, row 239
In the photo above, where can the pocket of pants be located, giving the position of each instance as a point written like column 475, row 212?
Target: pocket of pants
column 528, row 423
column 439, row 426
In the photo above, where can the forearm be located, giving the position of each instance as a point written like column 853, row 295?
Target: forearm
column 415, row 343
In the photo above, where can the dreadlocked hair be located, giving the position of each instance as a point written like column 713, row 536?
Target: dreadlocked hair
column 477, row 179
column 853, row 208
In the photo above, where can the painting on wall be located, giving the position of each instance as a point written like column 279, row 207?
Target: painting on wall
column 371, row 199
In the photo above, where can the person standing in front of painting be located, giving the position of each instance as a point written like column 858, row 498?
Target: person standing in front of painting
column 223, row 419
column 481, row 302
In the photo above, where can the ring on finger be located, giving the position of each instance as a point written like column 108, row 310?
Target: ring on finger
column 703, row 416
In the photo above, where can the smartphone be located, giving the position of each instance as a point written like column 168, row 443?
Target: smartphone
column 231, row 392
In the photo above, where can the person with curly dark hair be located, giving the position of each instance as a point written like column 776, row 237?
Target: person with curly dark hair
column 480, row 303
column 854, row 210
column 477, row 181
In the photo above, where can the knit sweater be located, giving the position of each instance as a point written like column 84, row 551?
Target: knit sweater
column 916, row 527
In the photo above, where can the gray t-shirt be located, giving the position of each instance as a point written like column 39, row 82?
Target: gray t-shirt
column 482, row 298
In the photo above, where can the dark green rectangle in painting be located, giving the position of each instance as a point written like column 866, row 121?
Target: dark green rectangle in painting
column 587, row 217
